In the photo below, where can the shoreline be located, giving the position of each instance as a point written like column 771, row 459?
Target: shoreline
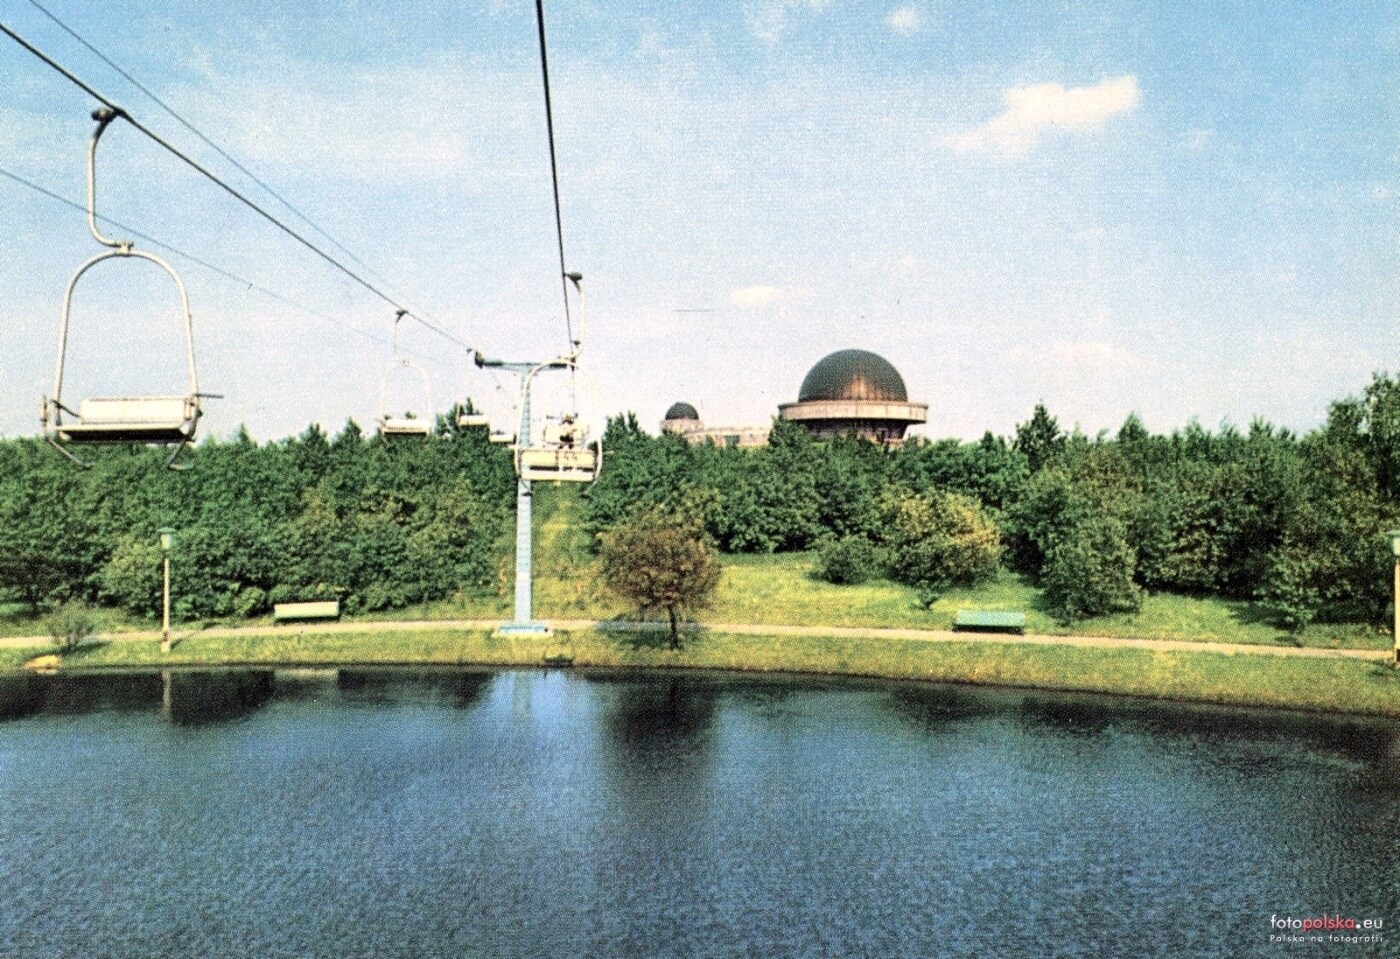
column 1327, row 683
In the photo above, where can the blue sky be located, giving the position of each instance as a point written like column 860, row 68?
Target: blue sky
column 1179, row 209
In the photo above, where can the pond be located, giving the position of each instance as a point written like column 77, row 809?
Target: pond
column 574, row 814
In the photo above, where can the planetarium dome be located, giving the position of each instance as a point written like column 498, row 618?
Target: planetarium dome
column 855, row 392
column 853, row 375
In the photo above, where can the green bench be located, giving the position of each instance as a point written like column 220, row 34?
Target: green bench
column 989, row 621
column 286, row 612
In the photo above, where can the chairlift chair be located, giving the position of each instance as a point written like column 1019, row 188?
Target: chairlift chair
column 154, row 420
column 565, row 455
column 409, row 425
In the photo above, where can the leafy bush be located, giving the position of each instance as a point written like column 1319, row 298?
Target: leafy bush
column 70, row 624
column 846, row 561
column 132, row 576
column 1089, row 572
column 1292, row 595
column 936, row 540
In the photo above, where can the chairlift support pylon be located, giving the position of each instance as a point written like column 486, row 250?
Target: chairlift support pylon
column 563, row 455
column 153, row 420
column 408, row 426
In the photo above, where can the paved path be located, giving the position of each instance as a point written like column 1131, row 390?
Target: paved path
column 759, row 629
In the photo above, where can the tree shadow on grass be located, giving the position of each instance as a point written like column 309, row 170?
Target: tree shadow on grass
column 649, row 633
column 83, row 650
column 1249, row 613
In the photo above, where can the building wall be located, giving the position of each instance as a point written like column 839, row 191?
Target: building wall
column 697, row 433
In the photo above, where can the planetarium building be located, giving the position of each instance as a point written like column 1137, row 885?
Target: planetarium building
column 855, row 391
column 849, row 392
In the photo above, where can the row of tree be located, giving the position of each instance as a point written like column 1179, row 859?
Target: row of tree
column 373, row 524
column 1297, row 522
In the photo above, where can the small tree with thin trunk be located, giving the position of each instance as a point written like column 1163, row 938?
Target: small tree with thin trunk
column 661, row 561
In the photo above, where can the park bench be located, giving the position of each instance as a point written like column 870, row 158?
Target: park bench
column 989, row 621
column 286, row 612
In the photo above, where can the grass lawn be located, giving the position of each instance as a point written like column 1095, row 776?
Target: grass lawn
column 12, row 658
column 17, row 620
column 780, row 590
column 1338, row 685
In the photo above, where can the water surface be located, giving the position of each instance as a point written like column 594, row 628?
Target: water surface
column 572, row 814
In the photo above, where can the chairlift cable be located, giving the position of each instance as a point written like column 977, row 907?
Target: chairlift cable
column 213, row 268
column 208, row 142
column 554, row 171
column 232, row 191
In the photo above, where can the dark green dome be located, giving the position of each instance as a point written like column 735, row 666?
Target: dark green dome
column 853, row 375
column 682, row 411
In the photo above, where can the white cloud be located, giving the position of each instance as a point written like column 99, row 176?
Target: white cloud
column 904, row 20
column 1033, row 110
column 750, row 297
column 769, row 20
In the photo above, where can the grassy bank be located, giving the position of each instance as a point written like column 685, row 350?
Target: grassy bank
column 12, row 658
column 781, row 590
column 1334, row 685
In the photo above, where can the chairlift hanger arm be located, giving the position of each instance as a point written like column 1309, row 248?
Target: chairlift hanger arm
column 104, row 117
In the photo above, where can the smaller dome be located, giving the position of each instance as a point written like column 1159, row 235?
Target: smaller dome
column 682, row 411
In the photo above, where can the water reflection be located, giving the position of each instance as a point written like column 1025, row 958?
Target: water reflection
column 203, row 698
column 942, row 709
column 938, row 709
column 457, row 688
column 19, row 696
column 108, row 692
column 658, row 719
column 656, row 741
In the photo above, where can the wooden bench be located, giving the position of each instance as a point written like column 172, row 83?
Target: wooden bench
column 286, row 612
column 989, row 621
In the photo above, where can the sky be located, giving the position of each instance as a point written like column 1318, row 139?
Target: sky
column 1176, row 209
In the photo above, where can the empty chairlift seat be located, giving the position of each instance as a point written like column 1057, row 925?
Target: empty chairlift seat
column 578, row 464
column 135, row 419
column 166, row 420
column 405, row 427
column 408, row 426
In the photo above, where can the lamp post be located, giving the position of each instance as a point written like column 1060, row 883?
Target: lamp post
column 1394, row 535
column 167, row 539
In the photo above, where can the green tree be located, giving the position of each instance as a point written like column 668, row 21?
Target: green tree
column 1039, row 439
column 1089, row 571
column 661, row 562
